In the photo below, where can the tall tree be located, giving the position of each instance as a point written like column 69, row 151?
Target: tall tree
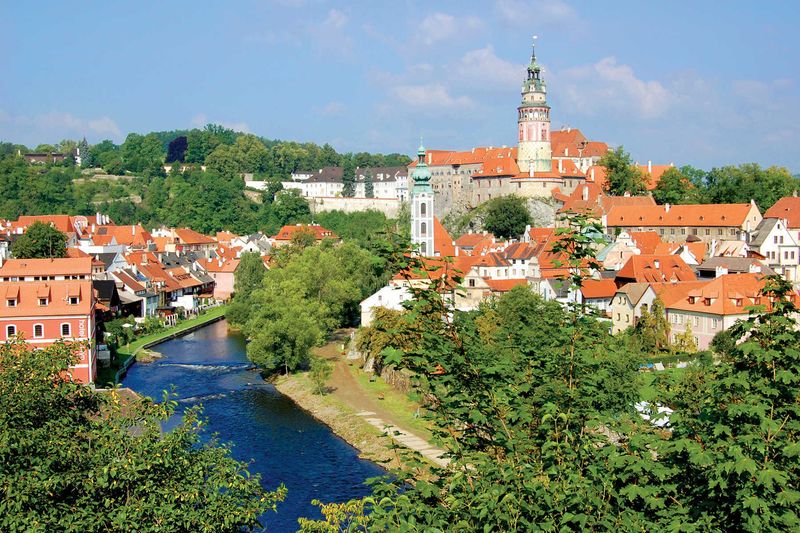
column 674, row 187
column 74, row 459
column 40, row 240
column 369, row 184
column 176, row 151
column 621, row 174
column 506, row 216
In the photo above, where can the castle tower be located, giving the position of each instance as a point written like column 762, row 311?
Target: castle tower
column 534, row 153
column 422, row 206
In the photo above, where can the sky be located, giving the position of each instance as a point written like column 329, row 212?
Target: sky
column 703, row 83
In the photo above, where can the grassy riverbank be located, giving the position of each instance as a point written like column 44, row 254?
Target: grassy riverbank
column 107, row 375
column 352, row 400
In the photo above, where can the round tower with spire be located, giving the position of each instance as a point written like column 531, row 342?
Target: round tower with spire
column 422, row 206
column 534, row 153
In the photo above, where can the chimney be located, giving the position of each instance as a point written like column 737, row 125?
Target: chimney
column 560, row 166
column 430, row 158
column 133, row 230
column 592, row 173
column 627, row 194
column 666, row 208
column 657, row 263
column 93, row 228
column 98, row 217
column 649, row 166
column 585, row 193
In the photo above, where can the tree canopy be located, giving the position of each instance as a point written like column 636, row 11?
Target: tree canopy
column 40, row 241
column 506, row 216
column 74, row 459
column 621, row 174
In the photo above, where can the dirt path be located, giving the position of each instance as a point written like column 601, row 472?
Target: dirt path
column 347, row 389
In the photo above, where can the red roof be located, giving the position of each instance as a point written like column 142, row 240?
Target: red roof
column 787, row 208
column 135, row 236
column 655, row 268
column 599, row 288
column 442, row 241
column 729, row 294
column 646, row 241
column 189, row 236
column 220, row 265
column 62, row 223
column 27, row 294
column 66, row 266
column 287, row 232
column 714, row 215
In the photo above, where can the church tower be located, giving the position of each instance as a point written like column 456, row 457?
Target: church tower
column 534, row 153
column 422, row 207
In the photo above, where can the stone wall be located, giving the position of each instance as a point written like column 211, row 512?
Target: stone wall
column 388, row 206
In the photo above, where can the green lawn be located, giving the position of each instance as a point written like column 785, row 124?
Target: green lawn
column 394, row 401
column 106, row 375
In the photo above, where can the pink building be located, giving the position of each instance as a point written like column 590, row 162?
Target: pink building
column 42, row 312
column 222, row 270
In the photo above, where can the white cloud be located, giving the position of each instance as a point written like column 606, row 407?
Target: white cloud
column 429, row 95
column 333, row 109
column 438, row 27
column 201, row 120
column 54, row 126
column 609, row 85
column 330, row 34
column 485, row 67
column 538, row 12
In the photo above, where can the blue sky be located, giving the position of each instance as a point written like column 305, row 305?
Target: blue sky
column 701, row 83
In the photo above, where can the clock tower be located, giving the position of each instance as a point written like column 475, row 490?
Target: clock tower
column 534, row 153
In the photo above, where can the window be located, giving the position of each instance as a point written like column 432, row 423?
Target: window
column 11, row 331
column 472, row 282
column 65, row 330
column 38, row 331
column 697, row 321
column 73, row 300
column 714, row 323
column 719, row 231
column 708, row 231
column 42, row 301
column 423, row 229
column 11, row 302
column 423, row 208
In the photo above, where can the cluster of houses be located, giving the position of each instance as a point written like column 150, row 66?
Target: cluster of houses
column 118, row 270
column 706, row 263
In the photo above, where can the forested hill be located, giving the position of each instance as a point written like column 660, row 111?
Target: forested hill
column 216, row 147
column 206, row 201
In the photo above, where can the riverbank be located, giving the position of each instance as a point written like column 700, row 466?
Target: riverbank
column 362, row 412
column 127, row 353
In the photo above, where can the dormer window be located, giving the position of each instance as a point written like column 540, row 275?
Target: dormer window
column 707, row 301
column 42, row 302
column 74, row 300
column 11, row 302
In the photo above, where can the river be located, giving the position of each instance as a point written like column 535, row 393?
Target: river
column 286, row 444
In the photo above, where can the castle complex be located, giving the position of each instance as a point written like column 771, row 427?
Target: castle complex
column 544, row 162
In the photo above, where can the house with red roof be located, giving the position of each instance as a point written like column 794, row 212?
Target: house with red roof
column 223, row 271
column 286, row 233
column 713, row 307
column 707, row 222
column 43, row 312
column 654, row 269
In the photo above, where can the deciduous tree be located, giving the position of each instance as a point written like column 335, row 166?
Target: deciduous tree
column 506, row 216
column 40, row 240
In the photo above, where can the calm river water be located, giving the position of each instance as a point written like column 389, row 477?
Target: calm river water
column 286, row 444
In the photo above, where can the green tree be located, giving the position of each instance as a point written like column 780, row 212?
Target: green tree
column 40, row 240
column 506, row 216
column 284, row 342
column 369, row 185
column 748, row 182
column 621, row 174
column 320, row 373
column 674, row 187
column 249, row 275
column 74, row 459
column 733, row 453
column 349, row 178
column 291, row 208
column 652, row 329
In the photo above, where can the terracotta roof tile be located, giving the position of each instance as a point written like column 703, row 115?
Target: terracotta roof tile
column 787, row 208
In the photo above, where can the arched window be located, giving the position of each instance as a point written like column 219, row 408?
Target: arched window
column 423, row 209
column 424, row 248
column 11, row 331
column 423, row 229
column 38, row 331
